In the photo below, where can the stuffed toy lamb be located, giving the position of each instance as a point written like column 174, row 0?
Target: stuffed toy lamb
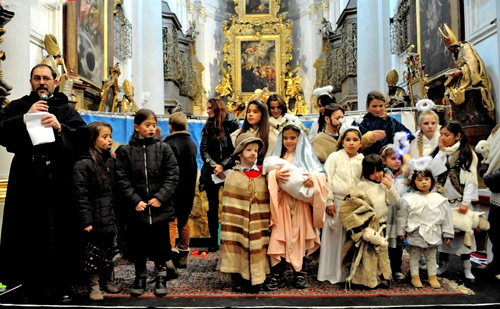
column 375, row 237
column 295, row 183
column 468, row 222
column 483, row 147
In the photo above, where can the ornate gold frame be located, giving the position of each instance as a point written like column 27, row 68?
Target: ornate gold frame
column 257, row 30
column 72, row 28
column 241, row 10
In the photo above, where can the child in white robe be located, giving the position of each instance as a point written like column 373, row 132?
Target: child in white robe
column 424, row 217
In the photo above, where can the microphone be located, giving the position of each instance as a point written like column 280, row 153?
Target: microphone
column 44, row 97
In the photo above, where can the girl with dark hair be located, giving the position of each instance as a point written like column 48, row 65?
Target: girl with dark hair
column 418, row 210
column 368, row 269
column 216, row 152
column 377, row 127
column 257, row 123
column 343, row 170
column 294, row 223
column 279, row 116
column 324, row 99
column 147, row 176
column 455, row 166
column 93, row 192
column 377, row 186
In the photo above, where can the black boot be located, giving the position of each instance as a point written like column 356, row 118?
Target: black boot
column 139, row 285
column 161, row 284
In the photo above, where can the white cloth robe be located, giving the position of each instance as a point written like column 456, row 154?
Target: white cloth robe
column 343, row 173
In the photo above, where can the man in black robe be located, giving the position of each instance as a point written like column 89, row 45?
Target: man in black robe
column 38, row 239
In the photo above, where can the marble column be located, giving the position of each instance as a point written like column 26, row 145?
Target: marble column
column 147, row 58
column 374, row 57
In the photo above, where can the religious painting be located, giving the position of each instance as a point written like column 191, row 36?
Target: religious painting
column 417, row 92
column 425, row 35
column 256, row 6
column 258, row 65
column 89, row 39
column 257, row 10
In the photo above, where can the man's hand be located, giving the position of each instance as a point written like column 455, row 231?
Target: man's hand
column 88, row 228
column 50, row 120
column 39, row 106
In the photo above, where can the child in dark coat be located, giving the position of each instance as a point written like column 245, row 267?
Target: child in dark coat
column 185, row 152
column 147, row 177
column 93, row 191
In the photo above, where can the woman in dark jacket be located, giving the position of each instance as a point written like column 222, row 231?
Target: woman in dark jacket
column 147, row 176
column 93, row 192
column 216, row 152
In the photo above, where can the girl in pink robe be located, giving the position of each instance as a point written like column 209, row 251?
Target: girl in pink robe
column 294, row 223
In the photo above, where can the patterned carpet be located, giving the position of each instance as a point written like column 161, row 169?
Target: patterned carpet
column 201, row 279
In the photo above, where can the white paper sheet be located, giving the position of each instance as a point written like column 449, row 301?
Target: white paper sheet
column 38, row 133
column 217, row 180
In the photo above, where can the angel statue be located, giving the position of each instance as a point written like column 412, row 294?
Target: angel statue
column 470, row 76
column 224, row 88
column 294, row 92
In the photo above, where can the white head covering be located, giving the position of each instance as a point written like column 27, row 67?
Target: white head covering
column 347, row 123
column 424, row 105
column 420, row 164
column 304, row 153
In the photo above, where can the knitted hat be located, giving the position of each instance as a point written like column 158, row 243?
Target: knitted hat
column 244, row 139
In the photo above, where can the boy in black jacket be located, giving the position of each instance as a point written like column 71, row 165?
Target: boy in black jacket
column 185, row 152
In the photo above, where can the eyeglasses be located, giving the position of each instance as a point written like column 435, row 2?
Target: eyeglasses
column 37, row 78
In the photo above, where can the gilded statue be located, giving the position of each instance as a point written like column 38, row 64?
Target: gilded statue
column 225, row 88
column 397, row 95
column 294, row 92
column 54, row 60
column 127, row 104
column 110, row 90
column 470, row 73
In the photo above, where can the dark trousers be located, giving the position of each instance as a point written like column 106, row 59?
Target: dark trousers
column 395, row 256
column 150, row 241
column 213, row 212
column 494, row 235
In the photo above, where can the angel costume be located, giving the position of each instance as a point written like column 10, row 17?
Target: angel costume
column 343, row 173
column 425, row 219
column 294, row 224
column 421, row 146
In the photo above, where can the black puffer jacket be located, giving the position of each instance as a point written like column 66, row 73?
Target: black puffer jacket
column 147, row 168
column 214, row 151
column 185, row 152
column 94, row 195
